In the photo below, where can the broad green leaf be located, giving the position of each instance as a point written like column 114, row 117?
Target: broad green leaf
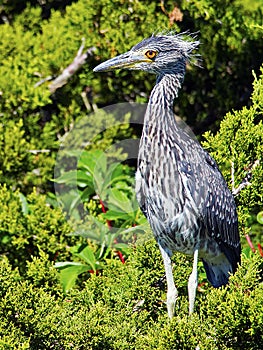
column 63, row 264
column 69, row 272
column 67, row 178
column 84, row 179
column 91, row 160
column 110, row 174
column 120, row 200
column 86, row 194
column 94, row 229
column 87, row 233
column 88, row 256
column 75, row 202
column 142, row 227
column 115, row 215
column 73, row 153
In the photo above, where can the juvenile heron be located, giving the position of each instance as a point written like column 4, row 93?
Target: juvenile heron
column 178, row 184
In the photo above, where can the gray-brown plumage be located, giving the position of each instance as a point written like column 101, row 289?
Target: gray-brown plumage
column 178, row 184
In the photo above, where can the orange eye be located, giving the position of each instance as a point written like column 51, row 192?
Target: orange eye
column 151, row 54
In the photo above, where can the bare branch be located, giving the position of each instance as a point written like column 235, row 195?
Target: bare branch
column 71, row 69
column 36, row 151
column 42, row 81
column 233, row 176
column 77, row 63
column 250, row 243
column 245, row 182
column 138, row 306
column 88, row 99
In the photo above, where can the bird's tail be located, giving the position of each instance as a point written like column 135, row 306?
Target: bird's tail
column 218, row 269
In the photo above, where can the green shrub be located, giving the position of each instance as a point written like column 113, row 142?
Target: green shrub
column 30, row 225
column 32, row 49
column 240, row 141
column 124, row 308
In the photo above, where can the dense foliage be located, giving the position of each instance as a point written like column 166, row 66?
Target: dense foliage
column 124, row 308
column 33, row 49
column 73, row 278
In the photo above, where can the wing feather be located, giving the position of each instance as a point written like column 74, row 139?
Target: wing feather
column 215, row 202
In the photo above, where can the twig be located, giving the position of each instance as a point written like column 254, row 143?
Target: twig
column 163, row 7
column 77, row 63
column 85, row 100
column 245, row 182
column 250, row 243
column 138, row 306
column 233, row 176
column 121, row 257
column 36, row 151
column 109, row 223
column 104, row 210
column 88, row 99
column 42, row 81
column 260, row 249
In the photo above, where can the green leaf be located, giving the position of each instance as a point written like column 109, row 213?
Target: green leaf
column 75, row 202
column 88, row 256
column 86, row 194
column 69, row 272
column 79, row 177
column 95, row 162
column 143, row 227
column 6, row 239
column 84, row 179
column 67, row 178
column 260, row 217
column 120, row 200
column 92, row 160
column 111, row 174
column 115, row 215
column 94, row 229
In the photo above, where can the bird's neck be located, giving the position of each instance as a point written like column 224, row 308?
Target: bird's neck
column 166, row 88
column 159, row 112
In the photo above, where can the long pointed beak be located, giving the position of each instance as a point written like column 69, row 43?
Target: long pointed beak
column 126, row 60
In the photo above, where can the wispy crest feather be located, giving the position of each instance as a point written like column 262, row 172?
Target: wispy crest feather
column 187, row 41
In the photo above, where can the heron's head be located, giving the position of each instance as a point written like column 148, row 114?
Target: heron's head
column 159, row 54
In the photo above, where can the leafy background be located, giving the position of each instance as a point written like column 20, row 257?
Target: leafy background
column 71, row 281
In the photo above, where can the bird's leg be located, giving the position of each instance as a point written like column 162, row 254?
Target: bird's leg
column 172, row 292
column 192, row 283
